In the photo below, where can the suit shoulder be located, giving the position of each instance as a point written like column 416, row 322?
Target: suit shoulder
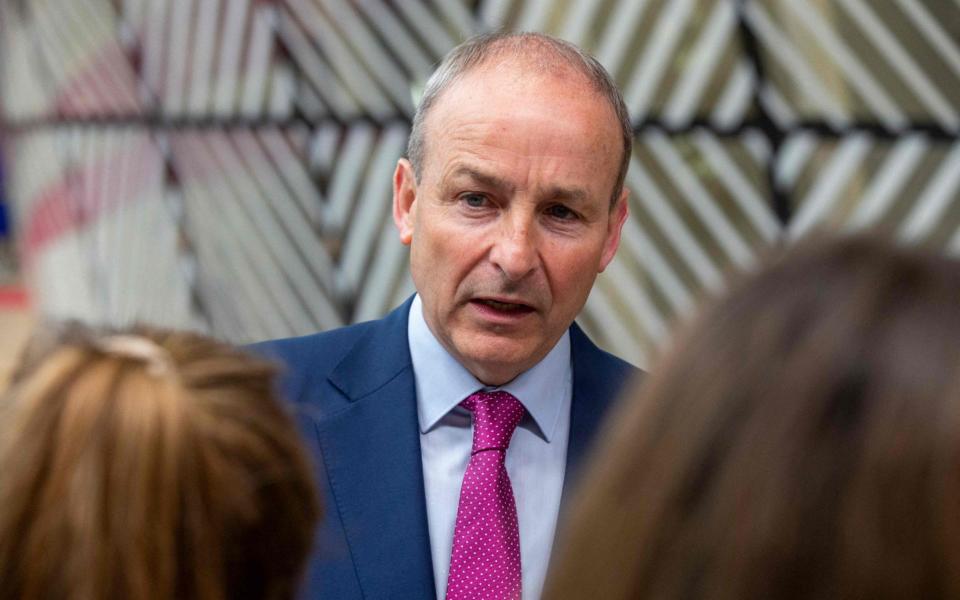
column 619, row 365
column 618, row 373
column 595, row 357
column 313, row 348
column 310, row 357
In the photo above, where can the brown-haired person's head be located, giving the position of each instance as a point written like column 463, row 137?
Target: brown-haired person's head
column 802, row 440
column 150, row 465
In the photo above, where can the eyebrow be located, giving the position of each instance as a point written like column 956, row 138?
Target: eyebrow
column 492, row 181
column 484, row 179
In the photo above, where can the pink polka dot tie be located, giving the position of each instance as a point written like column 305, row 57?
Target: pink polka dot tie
column 485, row 562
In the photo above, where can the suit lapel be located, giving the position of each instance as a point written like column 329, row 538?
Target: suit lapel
column 371, row 451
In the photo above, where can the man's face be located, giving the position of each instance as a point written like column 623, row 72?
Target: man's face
column 511, row 221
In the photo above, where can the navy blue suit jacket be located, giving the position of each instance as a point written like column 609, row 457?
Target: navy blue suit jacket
column 354, row 396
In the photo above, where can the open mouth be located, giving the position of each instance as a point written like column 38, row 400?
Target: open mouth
column 505, row 307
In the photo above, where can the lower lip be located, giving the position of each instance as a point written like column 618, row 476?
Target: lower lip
column 494, row 315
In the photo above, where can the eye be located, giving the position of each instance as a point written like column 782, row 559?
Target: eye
column 474, row 200
column 561, row 212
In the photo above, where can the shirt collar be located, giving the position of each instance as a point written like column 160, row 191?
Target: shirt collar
column 442, row 382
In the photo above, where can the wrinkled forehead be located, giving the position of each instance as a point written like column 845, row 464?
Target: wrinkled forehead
column 524, row 75
column 561, row 101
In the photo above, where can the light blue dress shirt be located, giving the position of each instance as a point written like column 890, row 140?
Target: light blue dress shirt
column 535, row 460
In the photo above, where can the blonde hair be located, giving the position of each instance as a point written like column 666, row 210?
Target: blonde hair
column 153, row 465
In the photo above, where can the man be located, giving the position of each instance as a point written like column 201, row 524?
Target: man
column 446, row 433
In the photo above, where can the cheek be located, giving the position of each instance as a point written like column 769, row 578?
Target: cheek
column 573, row 274
column 442, row 261
column 457, row 251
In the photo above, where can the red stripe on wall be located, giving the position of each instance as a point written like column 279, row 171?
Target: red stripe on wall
column 79, row 197
column 105, row 85
column 13, row 298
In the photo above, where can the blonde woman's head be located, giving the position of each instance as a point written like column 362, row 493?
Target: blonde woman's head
column 150, row 464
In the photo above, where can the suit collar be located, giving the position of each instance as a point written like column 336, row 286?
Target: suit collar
column 442, row 382
column 376, row 358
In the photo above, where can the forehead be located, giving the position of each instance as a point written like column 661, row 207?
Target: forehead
column 521, row 117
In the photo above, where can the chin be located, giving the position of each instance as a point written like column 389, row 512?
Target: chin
column 502, row 357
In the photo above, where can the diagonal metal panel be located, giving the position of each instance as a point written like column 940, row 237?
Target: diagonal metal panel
column 253, row 142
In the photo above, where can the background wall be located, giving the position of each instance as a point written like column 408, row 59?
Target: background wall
column 225, row 165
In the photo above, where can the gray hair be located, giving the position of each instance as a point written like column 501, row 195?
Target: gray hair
column 546, row 52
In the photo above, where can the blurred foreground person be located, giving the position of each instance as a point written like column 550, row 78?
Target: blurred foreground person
column 801, row 441
column 152, row 465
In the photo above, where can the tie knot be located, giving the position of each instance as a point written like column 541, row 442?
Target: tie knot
column 495, row 417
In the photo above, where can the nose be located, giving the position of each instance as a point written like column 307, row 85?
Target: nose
column 515, row 250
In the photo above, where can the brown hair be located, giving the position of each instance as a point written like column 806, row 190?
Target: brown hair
column 150, row 465
column 801, row 441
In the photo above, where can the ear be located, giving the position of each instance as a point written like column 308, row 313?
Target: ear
column 404, row 198
column 618, row 216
